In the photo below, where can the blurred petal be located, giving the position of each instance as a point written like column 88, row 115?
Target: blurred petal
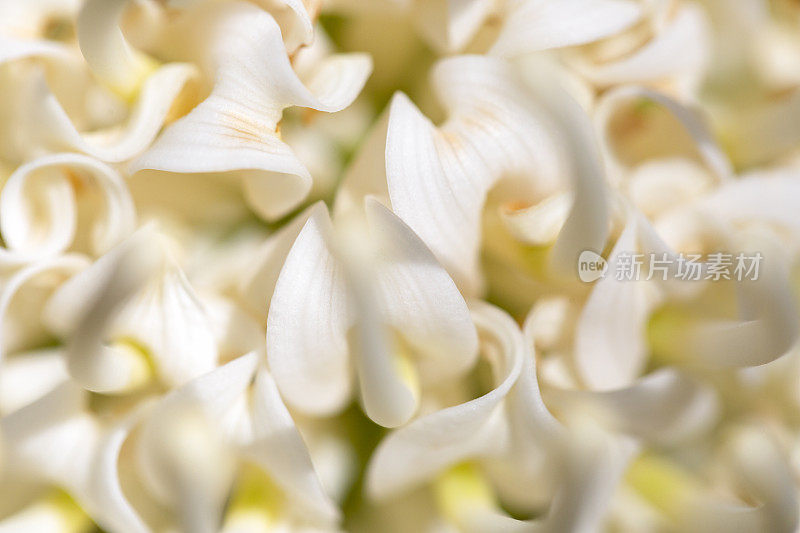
column 85, row 308
column 700, row 139
column 666, row 406
column 27, row 377
column 534, row 25
column 610, row 336
column 679, row 50
column 46, row 188
column 56, row 440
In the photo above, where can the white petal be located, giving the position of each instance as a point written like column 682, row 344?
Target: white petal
column 171, row 323
column 366, row 175
column 534, row 25
column 610, row 336
column 680, row 50
column 415, row 453
column 704, row 143
column 258, row 282
column 47, row 126
column 764, row 196
column 307, row 322
column 27, row 377
column 105, row 48
column 587, row 226
column 57, row 441
column 278, row 447
column 48, row 184
column 87, row 305
column 234, row 129
column 24, row 296
column 666, row 406
column 438, row 178
column 449, row 25
column 422, row 301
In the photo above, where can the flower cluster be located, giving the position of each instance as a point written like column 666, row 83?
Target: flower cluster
column 365, row 265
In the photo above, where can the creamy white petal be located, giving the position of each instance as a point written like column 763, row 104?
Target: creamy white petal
column 767, row 324
column 46, row 188
column 235, row 128
column 587, row 225
column 678, row 51
column 610, row 337
column 438, row 178
column 23, row 297
column 56, row 440
column 761, row 472
column 422, row 301
column 760, row 196
column 86, row 307
column 415, row 453
column 46, row 126
column 704, row 143
column 105, row 49
column 260, row 277
column 307, row 323
column 171, row 323
column 366, row 175
column 26, row 377
column 252, row 419
column 278, row 447
column 534, row 25
column 449, row 25
column 666, row 406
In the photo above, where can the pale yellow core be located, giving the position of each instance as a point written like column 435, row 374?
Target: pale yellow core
column 663, row 484
column 138, row 359
column 256, row 501
column 403, row 364
column 462, row 490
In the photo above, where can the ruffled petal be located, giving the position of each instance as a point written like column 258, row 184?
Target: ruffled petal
column 415, row 453
column 46, row 188
column 235, row 128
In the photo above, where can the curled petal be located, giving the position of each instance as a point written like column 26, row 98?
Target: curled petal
column 701, row 140
column 449, row 25
column 678, row 51
column 48, row 127
column 48, row 186
column 664, row 407
column 235, row 128
column 21, row 311
column 415, row 453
